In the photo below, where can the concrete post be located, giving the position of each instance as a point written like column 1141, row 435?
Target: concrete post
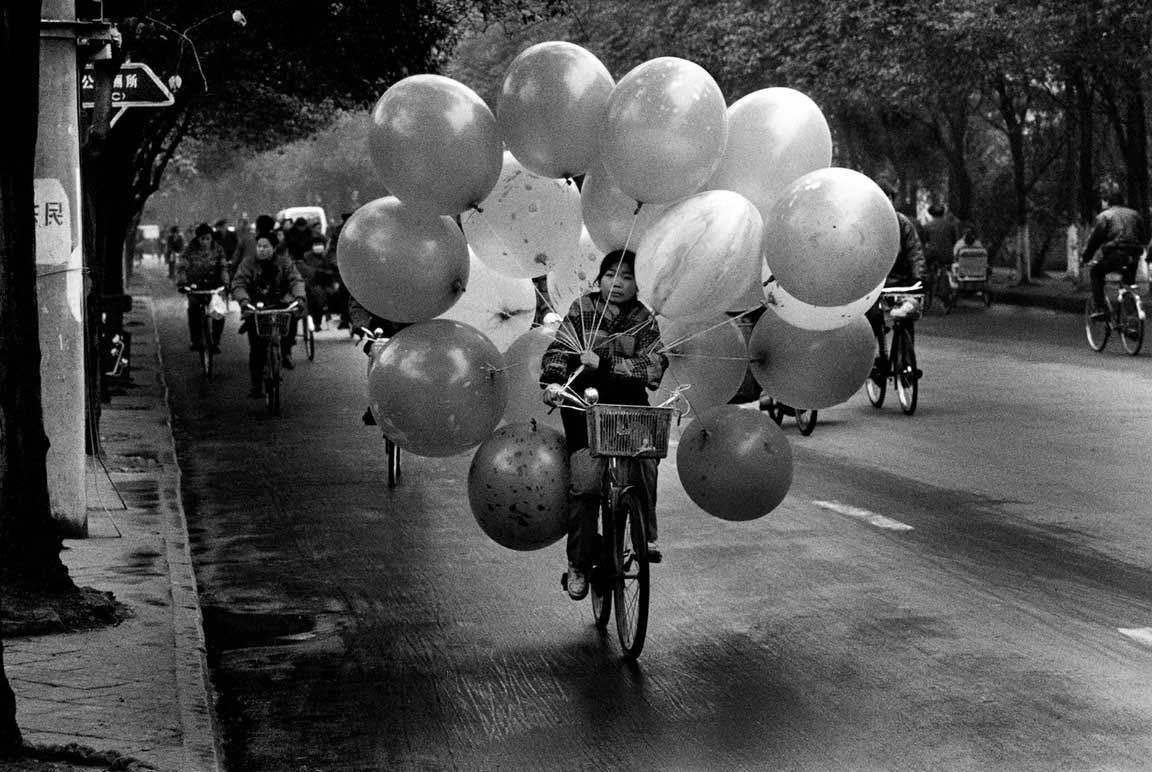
column 59, row 262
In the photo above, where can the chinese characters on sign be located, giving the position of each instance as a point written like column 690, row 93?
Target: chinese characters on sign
column 135, row 85
column 53, row 223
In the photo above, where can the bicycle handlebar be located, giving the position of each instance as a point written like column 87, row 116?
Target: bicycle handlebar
column 191, row 290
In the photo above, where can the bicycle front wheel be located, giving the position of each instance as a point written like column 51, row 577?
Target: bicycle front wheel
column 393, row 462
column 309, row 337
column 272, row 378
column 631, row 581
column 904, row 370
column 806, row 421
column 1096, row 330
column 1131, row 326
column 877, row 381
column 600, row 576
column 205, row 343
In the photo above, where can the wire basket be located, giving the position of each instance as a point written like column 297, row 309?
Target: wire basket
column 272, row 324
column 635, row 431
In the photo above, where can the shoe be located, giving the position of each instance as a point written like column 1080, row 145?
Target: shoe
column 577, row 583
column 287, row 362
column 654, row 553
column 256, row 392
column 368, row 418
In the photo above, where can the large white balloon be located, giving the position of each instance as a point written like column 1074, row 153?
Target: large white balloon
column 574, row 277
column 613, row 218
column 775, row 135
column 810, row 317
column 527, row 224
column 831, row 237
column 499, row 306
column 700, row 257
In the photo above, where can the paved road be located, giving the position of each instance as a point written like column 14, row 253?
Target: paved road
column 950, row 591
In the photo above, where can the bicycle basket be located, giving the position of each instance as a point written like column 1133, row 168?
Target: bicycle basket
column 272, row 323
column 635, row 431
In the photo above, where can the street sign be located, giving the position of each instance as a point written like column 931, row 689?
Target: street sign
column 135, row 85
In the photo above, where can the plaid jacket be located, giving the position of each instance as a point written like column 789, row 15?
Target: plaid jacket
column 628, row 346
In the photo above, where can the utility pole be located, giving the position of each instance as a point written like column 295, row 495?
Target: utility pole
column 59, row 263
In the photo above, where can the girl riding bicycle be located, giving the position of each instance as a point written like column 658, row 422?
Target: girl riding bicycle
column 202, row 265
column 608, row 341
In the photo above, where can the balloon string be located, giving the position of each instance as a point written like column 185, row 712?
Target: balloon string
column 707, row 356
column 616, row 274
column 685, row 338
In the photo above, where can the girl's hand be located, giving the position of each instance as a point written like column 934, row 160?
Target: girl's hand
column 590, row 358
column 554, row 395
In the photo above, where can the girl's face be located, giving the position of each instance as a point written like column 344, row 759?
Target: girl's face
column 264, row 249
column 205, row 240
column 618, row 284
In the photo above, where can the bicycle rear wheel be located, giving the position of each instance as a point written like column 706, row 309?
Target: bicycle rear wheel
column 1131, row 326
column 1095, row 330
column 631, row 580
column 806, row 421
column 904, row 370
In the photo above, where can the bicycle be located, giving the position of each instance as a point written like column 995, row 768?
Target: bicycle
column 1125, row 314
column 272, row 325
column 390, row 447
column 308, row 335
column 899, row 364
column 207, row 348
column 621, row 574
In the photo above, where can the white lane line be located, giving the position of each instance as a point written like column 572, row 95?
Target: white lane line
column 872, row 518
column 1139, row 634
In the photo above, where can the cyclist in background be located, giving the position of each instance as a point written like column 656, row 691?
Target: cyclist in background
column 204, row 265
column 622, row 360
column 365, row 323
column 1120, row 234
column 908, row 268
column 270, row 278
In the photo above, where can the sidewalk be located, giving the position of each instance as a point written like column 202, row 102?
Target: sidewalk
column 139, row 689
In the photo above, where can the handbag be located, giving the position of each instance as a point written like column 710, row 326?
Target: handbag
column 217, row 308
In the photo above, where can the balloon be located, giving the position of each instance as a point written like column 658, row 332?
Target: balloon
column 810, row 317
column 522, row 373
column 574, row 277
column 735, row 464
column 831, row 237
column 518, row 486
column 700, row 256
column 527, row 225
column 551, row 108
column 665, row 130
column 810, row 369
column 610, row 215
column 709, row 357
column 774, row 136
column 401, row 263
column 438, row 388
column 497, row 305
column 435, row 144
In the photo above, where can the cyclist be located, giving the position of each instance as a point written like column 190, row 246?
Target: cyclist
column 1120, row 234
column 619, row 356
column 204, row 265
column 365, row 323
column 907, row 269
column 271, row 278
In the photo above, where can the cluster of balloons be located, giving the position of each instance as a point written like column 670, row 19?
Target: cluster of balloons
column 729, row 208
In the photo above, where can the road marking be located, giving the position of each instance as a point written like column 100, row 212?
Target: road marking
column 1139, row 634
column 872, row 518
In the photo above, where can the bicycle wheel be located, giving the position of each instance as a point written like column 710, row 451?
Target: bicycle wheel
column 631, row 580
column 272, row 378
column 309, row 337
column 206, row 347
column 1130, row 326
column 904, row 370
column 1096, row 330
column 775, row 411
column 599, row 577
column 806, row 421
column 948, row 295
column 877, row 382
column 393, row 462
column 931, row 282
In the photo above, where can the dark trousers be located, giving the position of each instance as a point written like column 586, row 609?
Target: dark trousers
column 258, row 350
column 587, row 474
column 1120, row 260
column 196, row 310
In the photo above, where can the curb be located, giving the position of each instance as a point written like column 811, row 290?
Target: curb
column 202, row 749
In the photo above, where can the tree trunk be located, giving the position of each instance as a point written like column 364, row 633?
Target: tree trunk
column 1014, row 128
column 1136, row 149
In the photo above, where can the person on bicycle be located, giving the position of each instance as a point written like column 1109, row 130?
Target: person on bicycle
column 1119, row 233
column 367, row 324
column 939, row 238
column 908, row 268
column 203, row 266
column 619, row 344
column 271, row 278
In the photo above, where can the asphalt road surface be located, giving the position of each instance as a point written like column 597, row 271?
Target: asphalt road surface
column 969, row 588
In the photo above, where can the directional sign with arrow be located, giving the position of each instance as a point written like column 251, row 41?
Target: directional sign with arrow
column 135, row 85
